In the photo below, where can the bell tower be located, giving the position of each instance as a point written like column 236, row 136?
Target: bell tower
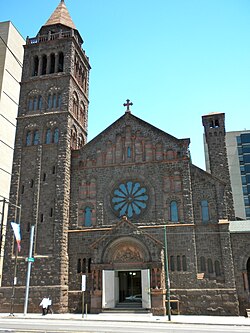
column 52, row 121
column 215, row 136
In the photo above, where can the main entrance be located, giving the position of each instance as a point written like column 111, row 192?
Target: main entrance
column 126, row 287
column 130, row 288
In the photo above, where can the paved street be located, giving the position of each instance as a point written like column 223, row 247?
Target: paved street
column 121, row 323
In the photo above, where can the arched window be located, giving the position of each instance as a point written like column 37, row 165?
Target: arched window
column 60, row 62
column 49, row 101
column 80, row 75
column 174, row 212
column 217, row 268
column 87, row 217
column 204, row 211
column 79, row 265
column 170, row 154
column 30, row 104
column 40, row 103
column 84, row 265
column 81, row 116
column 35, row 65
column 59, row 100
column 52, row 63
column 82, row 79
column 44, row 64
column 36, row 137
column 56, row 135
column 28, row 138
column 73, row 138
column 172, row 266
column 54, row 101
column 75, row 105
column 81, row 141
column 35, row 104
column 203, row 264
column 89, row 265
column 210, row 268
column 48, row 136
column 178, row 263
column 184, row 263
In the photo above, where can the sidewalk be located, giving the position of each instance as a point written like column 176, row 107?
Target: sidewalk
column 132, row 317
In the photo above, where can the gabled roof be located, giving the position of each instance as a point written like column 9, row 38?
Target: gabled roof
column 61, row 16
column 129, row 116
column 122, row 228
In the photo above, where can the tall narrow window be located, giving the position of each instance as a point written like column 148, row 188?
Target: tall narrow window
column 56, row 135
column 44, row 64
column 54, row 101
column 35, row 104
column 84, row 265
column 204, row 211
column 217, row 268
column 89, row 265
column 48, row 136
column 49, row 101
column 60, row 62
column 35, row 64
column 129, row 152
column 210, row 268
column 87, row 217
column 184, row 263
column 28, row 138
column 178, row 263
column 59, row 100
column 172, row 266
column 52, row 63
column 203, row 264
column 79, row 265
column 40, row 103
column 174, row 212
column 75, row 105
column 36, row 137
column 30, row 104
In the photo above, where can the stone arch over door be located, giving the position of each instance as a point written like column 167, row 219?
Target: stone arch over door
column 126, row 250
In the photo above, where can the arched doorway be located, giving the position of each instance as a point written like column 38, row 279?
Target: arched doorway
column 128, row 282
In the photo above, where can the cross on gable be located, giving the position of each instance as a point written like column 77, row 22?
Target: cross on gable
column 128, row 104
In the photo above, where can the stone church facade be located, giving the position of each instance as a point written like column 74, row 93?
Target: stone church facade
column 110, row 209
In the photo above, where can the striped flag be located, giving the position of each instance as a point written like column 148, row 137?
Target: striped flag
column 17, row 233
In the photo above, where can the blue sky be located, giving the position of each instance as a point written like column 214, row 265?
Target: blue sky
column 175, row 59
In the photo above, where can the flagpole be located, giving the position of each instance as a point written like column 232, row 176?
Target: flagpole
column 30, row 260
column 167, row 280
column 2, row 224
column 15, row 267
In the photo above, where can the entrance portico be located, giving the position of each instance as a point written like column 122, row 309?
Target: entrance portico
column 128, row 271
column 126, row 287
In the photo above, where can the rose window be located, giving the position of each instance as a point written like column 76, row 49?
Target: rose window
column 129, row 199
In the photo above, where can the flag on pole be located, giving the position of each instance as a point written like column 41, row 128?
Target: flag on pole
column 17, row 233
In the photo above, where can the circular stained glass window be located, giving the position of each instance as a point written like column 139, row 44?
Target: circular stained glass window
column 129, row 199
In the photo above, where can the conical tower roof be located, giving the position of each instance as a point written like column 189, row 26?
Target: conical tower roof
column 61, row 16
